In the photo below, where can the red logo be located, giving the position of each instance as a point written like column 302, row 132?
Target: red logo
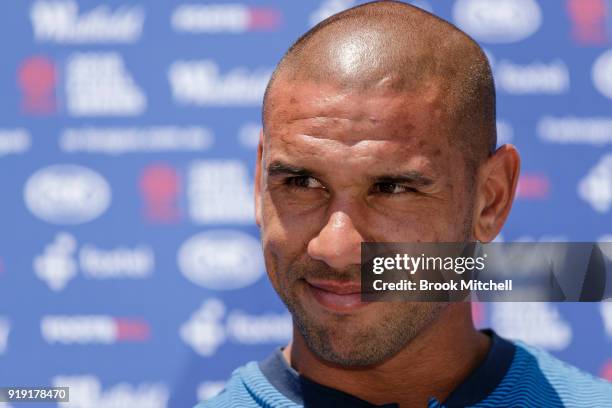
column 160, row 186
column 606, row 370
column 37, row 79
column 533, row 187
column 589, row 21
column 132, row 329
column 264, row 19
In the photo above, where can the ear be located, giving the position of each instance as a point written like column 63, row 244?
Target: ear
column 258, row 179
column 497, row 180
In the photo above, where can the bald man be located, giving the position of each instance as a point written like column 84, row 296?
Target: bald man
column 379, row 126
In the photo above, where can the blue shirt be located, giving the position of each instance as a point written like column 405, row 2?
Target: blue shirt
column 511, row 375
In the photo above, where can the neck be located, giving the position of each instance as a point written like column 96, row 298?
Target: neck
column 432, row 365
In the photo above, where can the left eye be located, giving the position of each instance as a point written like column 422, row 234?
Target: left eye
column 393, row 188
column 304, row 182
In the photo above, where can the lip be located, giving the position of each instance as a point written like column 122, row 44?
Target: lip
column 337, row 296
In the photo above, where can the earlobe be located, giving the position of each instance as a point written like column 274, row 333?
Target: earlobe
column 498, row 178
column 258, row 180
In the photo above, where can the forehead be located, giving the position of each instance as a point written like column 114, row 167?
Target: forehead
column 380, row 122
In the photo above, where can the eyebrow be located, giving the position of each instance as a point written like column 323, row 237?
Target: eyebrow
column 412, row 177
column 278, row 168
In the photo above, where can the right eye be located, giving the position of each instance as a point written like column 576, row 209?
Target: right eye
column 303, row 182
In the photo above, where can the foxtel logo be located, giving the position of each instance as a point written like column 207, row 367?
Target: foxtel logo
column 93, row 329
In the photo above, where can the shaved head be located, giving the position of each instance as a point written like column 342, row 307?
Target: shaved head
column 394, row 46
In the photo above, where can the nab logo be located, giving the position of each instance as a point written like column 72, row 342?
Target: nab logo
column 221, row 259
column 501, row 21
column 67, row 194
column 596, row 187
column 37, row 78
column 602, row 74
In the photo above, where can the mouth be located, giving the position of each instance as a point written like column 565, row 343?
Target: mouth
column 335, row 295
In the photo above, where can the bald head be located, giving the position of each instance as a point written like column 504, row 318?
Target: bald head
column 397, row 47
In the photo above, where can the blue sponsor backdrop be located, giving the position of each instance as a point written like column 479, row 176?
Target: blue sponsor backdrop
column 130, row 266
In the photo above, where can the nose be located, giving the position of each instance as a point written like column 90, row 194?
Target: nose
column 338, row 244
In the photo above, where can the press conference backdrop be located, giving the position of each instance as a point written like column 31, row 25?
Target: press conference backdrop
column 130, row 265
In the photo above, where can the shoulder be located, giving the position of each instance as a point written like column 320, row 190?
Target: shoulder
column 248, row 387
column 536, row 378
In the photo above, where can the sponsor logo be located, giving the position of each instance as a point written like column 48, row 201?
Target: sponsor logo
column 14, row 141
column 5, row 329
column 221, row 259
column 248, row 135
column 220, row 191
column 160, row 186
column 58, row 264
column 606, row 371
column 590, row 21
column 200, row 83
column 606, row 316
column 534, row 78
column 502, row 21
column 602, row 74
column 224, row 18
column 93, row 329
column 533, row 186
column 328, row 8
column 505, row 132
column 37, row 78
column 60, row 22
column 116, row 141
column 538, row 324
column 209, row 389
column 206, row 330
column 596, row 187
column 67, row 194
column 595, row 131
column 86, row 392
column 98, row 84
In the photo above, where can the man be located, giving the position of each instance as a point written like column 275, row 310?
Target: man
column 379, row 126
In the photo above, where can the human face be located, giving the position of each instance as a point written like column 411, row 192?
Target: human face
column 338, row 167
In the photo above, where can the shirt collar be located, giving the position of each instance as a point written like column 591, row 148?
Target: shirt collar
column 476, row 387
